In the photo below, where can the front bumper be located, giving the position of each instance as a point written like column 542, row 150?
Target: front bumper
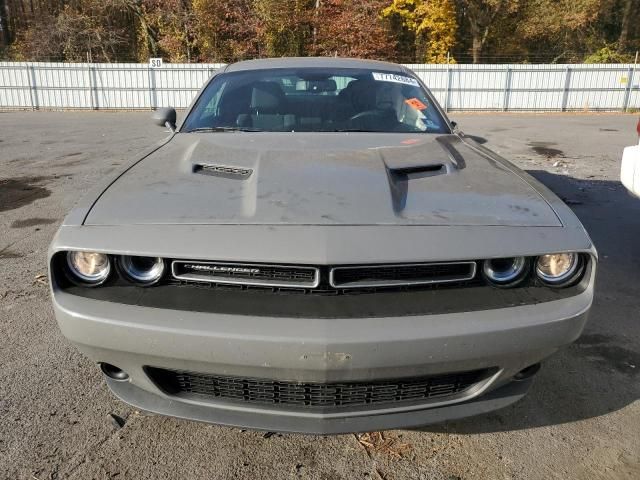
column 372, row 420
column 320, row 350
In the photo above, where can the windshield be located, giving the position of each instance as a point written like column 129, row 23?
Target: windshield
column 315, row 100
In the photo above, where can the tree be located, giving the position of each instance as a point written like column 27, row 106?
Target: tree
column 84, row 37
column 431, row 23
column 167, row 28
column 402, row 18
column 5, row 33
column 608, row 55
column 400, row 30
column 351, row 28
column 438, row 24
column 285, row 27
column 146, row 36
column 567, row 28
column 629, row 19
column 41, row 40
column 482, row 16
column 226, row 29
column 88, row 30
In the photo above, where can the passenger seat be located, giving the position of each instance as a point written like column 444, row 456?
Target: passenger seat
column 267, row 109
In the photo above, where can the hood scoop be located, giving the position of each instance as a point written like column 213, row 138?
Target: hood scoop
column 223, row 171
column 401, row 178
column 412, row 171
column 419, row 171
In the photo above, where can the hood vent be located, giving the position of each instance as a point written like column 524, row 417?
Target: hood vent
column 420, row 171
column 222, row 171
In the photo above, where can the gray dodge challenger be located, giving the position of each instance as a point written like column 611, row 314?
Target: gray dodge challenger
column 316, row 248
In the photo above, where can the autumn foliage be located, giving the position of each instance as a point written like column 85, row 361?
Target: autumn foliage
column 351, row 28
column 431, row 24
column 400, row 30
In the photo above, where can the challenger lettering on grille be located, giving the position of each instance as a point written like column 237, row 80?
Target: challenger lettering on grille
column 216, row 268
column 246, row 274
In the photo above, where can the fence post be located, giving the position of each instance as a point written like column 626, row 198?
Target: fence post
column 33, row 92
column 565, row 90
column 448, row 91
column 507, row 90
column 627, row 93
column 93, row 87
column 153, row 97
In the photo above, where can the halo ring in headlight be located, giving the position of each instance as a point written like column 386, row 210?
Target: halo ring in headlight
column 88, row 268
column 505, row 271
column 557, row 269
column 142, row 270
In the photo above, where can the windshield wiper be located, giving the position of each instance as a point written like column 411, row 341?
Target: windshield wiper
column 355, row 130
column 379, row 131
column 223, row 129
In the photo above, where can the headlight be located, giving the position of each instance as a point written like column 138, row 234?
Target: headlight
column 88, row 267
column 142, row 270
column 557, row 269
column 505, row 271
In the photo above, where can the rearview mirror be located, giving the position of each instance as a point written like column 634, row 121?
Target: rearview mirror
column 630, row 170
column 165, row 117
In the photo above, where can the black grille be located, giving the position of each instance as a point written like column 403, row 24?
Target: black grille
column 324, row 280
column 404, row 274
column 313, row 395
column 246, row 274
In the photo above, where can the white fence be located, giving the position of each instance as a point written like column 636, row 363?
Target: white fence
column 513, row 87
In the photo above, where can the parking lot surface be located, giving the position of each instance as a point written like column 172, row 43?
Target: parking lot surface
column 58, row 420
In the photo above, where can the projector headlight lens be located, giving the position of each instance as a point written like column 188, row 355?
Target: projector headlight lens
column 142, row 270
column 89, row 267
column 505, row 271
column 557, row 269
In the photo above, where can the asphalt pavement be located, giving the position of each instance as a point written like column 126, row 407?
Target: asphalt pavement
column 581, row 418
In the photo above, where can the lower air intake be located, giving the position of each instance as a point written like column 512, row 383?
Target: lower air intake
column 310, row 395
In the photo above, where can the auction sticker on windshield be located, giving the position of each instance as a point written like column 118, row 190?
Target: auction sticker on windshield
column 390, row 77
column 415, row 103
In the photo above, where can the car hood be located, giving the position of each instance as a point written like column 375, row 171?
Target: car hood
column 321, row 179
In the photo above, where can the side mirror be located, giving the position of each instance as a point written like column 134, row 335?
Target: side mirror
column 630, row 170
column 165, row 117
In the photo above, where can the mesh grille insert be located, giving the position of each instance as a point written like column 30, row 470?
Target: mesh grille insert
column 403, row 274
column 310, row 395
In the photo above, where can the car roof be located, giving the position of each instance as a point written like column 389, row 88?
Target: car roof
column 301, row 62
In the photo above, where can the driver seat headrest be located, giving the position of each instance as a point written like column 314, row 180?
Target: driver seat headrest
column 267, row 97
